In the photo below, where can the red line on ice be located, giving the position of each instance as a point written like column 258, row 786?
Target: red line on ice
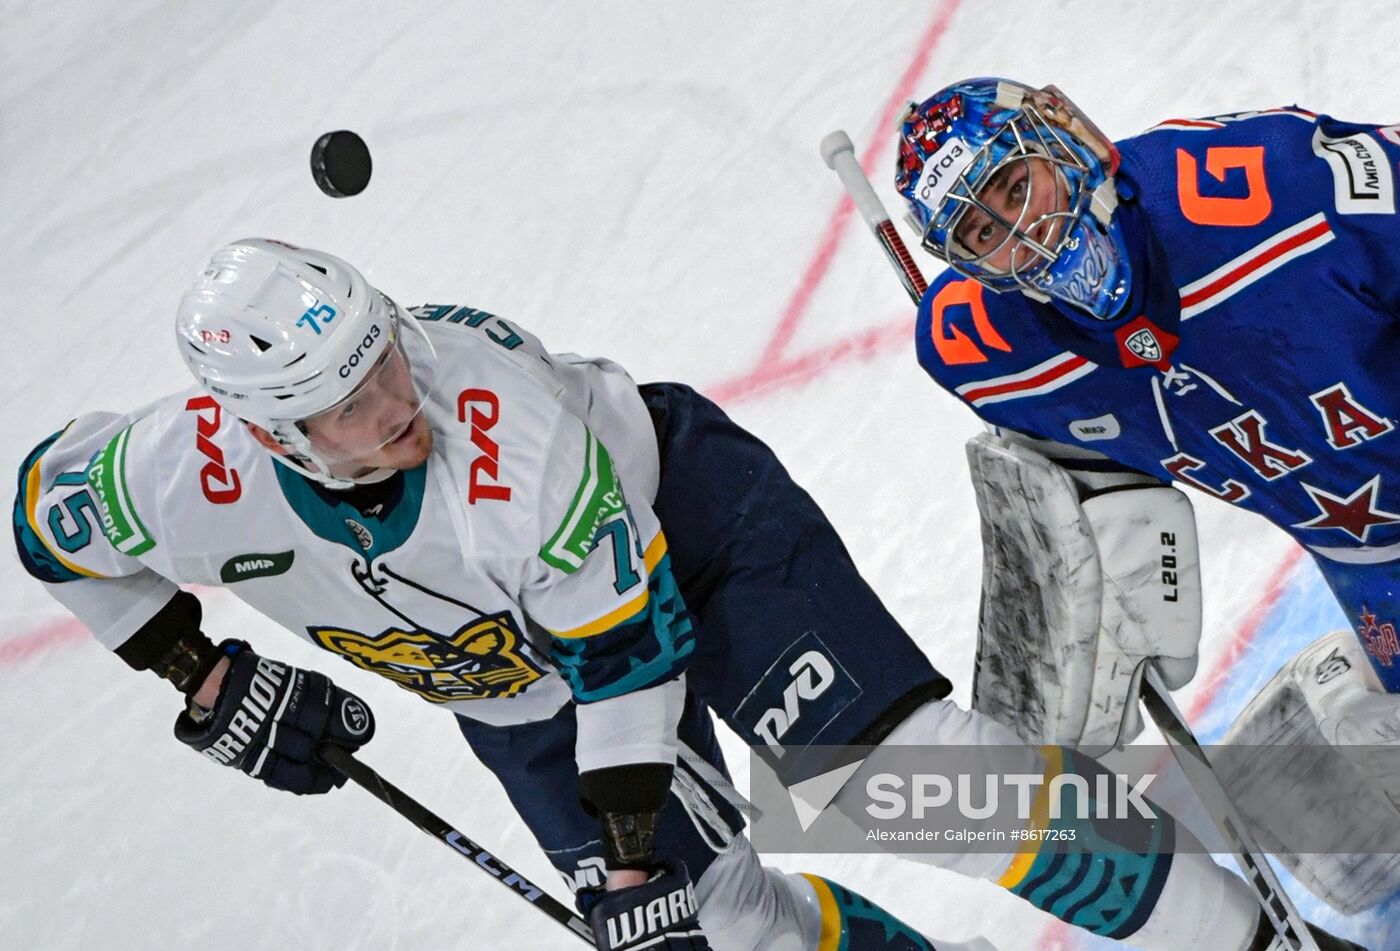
column 60, row 632
column 782, row 372
column 1249, row 627
column 772, row 371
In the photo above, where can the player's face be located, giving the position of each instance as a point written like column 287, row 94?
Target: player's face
column 1020, row 222
column 379, row 426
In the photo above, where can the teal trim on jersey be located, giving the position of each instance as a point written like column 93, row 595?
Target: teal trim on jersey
column 1107, row 886
column 596, row 669
column 861, row 924
column 331, row 521
column 38, row 561
column 470, row 317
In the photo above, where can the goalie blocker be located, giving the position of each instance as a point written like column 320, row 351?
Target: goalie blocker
column 1088, row 572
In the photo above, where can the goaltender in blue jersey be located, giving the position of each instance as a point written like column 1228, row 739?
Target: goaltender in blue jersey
column 1214, row 302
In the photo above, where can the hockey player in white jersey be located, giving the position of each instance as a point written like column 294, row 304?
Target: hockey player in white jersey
column 436, row 498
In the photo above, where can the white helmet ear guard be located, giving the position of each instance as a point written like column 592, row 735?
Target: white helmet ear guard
column 278, row 334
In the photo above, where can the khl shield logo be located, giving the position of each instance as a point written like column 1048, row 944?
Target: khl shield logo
column 1145, row 345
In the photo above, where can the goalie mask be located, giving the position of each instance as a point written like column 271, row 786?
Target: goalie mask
column 298, row 343
column 1013, row 187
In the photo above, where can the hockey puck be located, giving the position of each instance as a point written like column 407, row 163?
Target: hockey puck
column 340, row 163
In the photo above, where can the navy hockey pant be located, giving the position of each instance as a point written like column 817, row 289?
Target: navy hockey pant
column 793, row 647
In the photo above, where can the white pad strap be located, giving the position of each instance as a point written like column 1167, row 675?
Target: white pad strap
column 1076, row 597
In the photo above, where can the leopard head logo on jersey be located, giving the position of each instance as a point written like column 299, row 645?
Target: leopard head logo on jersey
column 481, row 661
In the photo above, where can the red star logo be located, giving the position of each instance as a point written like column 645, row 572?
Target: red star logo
column 1368, row 620
column 1354, row 514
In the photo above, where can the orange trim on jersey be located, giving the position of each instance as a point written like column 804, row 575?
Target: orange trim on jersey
column 830, row 938
column 608, row 621
column 31, row 510
column 1243, row 211
column 955, row 347
column 1020, row 866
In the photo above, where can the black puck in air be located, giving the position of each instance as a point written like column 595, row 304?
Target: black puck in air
column 340, row 163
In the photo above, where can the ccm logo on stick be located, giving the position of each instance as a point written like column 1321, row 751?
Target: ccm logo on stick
column 488, row 464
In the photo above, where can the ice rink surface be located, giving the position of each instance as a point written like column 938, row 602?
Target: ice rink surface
column 634, row 179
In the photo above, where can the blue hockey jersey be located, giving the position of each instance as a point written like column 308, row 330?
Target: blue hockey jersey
column 1260, row 361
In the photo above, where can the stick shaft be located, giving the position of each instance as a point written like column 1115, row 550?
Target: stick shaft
column 408, row 807
column 1260, row 875
column 840, row 157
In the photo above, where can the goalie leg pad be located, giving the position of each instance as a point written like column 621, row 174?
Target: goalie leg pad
column 1076, row 597
column 1314, row 805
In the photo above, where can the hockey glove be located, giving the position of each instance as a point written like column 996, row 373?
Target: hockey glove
column 269, row 719
column 660, row 914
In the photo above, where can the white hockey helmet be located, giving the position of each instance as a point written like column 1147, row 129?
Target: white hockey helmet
column 279, row 334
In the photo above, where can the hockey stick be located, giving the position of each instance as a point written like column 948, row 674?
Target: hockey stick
column 396, row 799
column 1278, row 907
column 839, row 154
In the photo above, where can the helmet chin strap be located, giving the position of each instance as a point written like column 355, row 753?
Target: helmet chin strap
column 302, row 459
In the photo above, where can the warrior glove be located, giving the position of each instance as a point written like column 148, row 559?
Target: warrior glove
column 270, row 718
column 660, row 914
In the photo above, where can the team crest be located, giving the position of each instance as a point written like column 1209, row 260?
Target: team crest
column 1144, row 344
column 1379, row 637
column 481, row 661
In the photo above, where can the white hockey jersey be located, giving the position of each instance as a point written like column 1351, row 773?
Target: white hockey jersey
column 520, row 567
